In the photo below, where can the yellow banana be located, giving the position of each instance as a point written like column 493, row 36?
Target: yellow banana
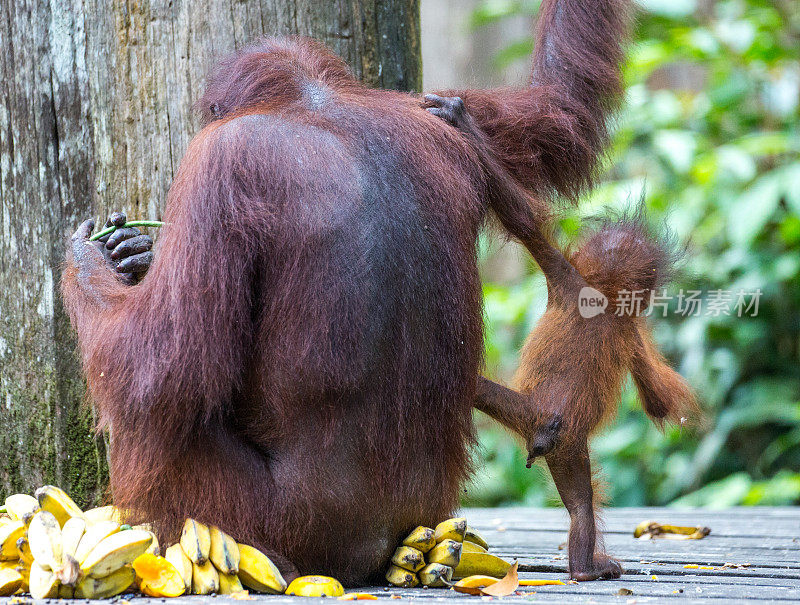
column 9, row 534
column 44, row 538
column 452, row 529
column 157, row 576
column 408, row 558
column 258, row 572
column 480, row 564
column 446, row 552
column 224, row 553
column 155, row 548
column 43, row 583
column 102, row 513
column 473, row 536
column 10, row 581
column 66, row 592
column 471, row 547
column 106, row 587
column 181, row 562
column 71, row 535
column 398, row 576
column 315, row 586
column 92, row 537
column 115, row 551
column 57, row 502
column 196, row 541
column 20, row 507
column 422, row 538
column 229, row 584
column 435, row 574
column 205, row 578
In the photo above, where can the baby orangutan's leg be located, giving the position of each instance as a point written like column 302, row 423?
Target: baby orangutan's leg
column 569, row 464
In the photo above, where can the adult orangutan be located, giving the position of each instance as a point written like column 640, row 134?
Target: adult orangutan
column 298, row 365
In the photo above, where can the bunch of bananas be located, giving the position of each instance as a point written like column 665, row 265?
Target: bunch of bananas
column 50, row 548
column 434, row 557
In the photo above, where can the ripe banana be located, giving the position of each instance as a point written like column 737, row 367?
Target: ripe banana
column 44, row 538
column 182, row 563
column 446, row 552
column 401, row 577
column 43, row 583
column 115, row 551
column 473, row 536
column 435, row 575
column 158, row 577
column 102, row 513
column 471, row 547
column 9, row 534
column 92, row 537
column 452, row 529
column 315, row 586
column 57, row 502
column 258, row 572
column 10, row 581
column 71, row 535
column 205, row 578
column 66, row 592
column 475, row 563
column 20, row 507
column 229, row 583
column 106, row 587
column 422, row 538
column 224, row 553
column 408, row 558
column 196, row 541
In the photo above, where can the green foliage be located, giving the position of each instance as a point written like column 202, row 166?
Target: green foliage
column 710, row 135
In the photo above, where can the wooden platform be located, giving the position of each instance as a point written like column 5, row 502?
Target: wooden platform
column 752, row 554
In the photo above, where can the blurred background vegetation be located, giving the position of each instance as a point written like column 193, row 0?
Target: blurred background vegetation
column 710, row 137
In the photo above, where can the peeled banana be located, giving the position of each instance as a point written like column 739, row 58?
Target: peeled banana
column 435, row 575
column 44, row 538
column 224, row 553
column 205, row 578
column 446, row 552
column 196, row 541
column 182, row 563
column 258, row 572
column 422, row 538
column 115, row 551
column 20, row 507
column 401, row 577
column 57, row 502
column 408, row 558
column 107, row 586
column 451, row 529
column 315, row 586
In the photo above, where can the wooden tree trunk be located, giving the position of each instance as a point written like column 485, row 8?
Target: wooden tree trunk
column 95, row 114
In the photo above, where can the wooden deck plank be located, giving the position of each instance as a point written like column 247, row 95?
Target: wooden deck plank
column 768, row 539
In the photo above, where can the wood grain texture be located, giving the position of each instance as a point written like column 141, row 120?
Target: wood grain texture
column 95, row 115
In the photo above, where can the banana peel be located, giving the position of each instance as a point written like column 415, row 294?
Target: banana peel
column 489, row 585
column 647, row 530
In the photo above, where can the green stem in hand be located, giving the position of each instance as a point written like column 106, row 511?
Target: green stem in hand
column 113, row 228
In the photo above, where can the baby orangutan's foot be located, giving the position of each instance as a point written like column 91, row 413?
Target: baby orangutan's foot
column 603, row 568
